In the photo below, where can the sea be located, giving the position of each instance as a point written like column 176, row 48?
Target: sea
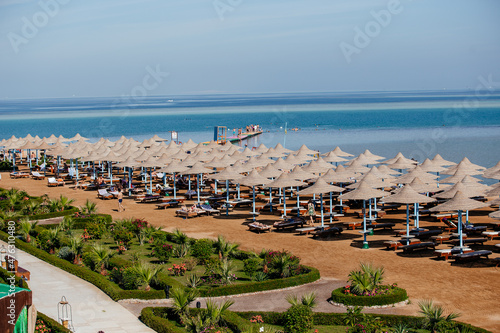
column 420, row 124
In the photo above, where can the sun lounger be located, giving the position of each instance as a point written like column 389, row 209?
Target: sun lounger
column 450, row 226
column 441, row 238
column 240, row 203
column 19, row 175
column 149, row 198
column 54, row 182
column 474, row 241
column 185, row 213
column 209, row 209
column 292, row 223
column 307, row 230
column 259, row 227
column 323, row 233
column 450, row 253
column 425, row 234
column 168, row 204
column 418, row 246
column 394, row 244
column 104, row 194
column 376, row 225
column 491, row 234
column 353, row 225
column 36, row 175
column 469, row 228
column 475, row 255
column 440, row 217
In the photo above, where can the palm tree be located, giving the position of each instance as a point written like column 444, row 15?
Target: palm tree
column 67, row 223
column 76, row 245
column 193, row 281
column 308, row 300
column 65, row 203
column 224, row 248
column 284, row 265
column 13, row 197
column 182, row 299
column 215, row 311
column 101, row 256
column 89, row 207
column 433, row 314
column 226, row 272
column 26, row 228
column 54, row 205
column 147, row 273
column 179, row 237
column 31, row 207
column 210, row 317
column 366, row 279
column 53, row 238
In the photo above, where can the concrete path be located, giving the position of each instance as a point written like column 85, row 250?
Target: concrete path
column 272, row 300
column 93, row 310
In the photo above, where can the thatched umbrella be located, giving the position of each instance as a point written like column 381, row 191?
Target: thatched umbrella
column 129, row 163
column 197, row 169
column 253, row 179
column 303, row 149
column 174, row 167
column 341, row 153
column 465, row 165
column 227, row 174
column 223, row 162
column 399, row 157
column 284, row 180
column 320, row 187
column 333, row 158
column 439, row 160
column 364, row 192
column 280, row 149
column 459, row 203
column 280, row 164
column 407, row 195
column 299, row 174
column 414, row 173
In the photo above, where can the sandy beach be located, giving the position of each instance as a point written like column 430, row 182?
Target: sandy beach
column 470, row 289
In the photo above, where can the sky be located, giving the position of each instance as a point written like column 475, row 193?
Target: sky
column 66, row 48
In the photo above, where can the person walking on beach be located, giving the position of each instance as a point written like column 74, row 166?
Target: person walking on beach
column 120, row 200
column 311, row 212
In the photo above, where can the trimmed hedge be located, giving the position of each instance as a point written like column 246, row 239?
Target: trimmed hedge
column 157, row 323
column 251, row 287
column 4, row 274
column 398, row 295
column 66, row 212
column 108, row 287
column 52, row 324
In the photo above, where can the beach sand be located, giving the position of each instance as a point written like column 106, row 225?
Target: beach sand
column 471, row 289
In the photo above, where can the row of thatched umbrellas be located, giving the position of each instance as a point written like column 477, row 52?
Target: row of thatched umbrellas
column 281, row 168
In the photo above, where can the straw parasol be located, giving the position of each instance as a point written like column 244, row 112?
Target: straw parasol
column 460, row 202
column 439, row 160
column 299, row 174
column 368, row 154
column 493, row 169
column 197, row 169
column 357, row 167
column 304, row 150
column 284, row 180
column 466, row 166
column 416, row 172
column 280, row 164
column 190, row 144
column 399, row 156
column 321, row 187
column 402, row 163
column 227, row 174
column 299, row 158
column 467, row 190
column 333, row 158
column 249, row 153
column 495, row 215
column 280, row 149
column 364, row 192
column 341, row 153
column 317, row 167
column 492, row 175
column 174, row 167
column 429, row 166
column 261, row 149
column 272, row 153
column 407, row 195
column 253, row 179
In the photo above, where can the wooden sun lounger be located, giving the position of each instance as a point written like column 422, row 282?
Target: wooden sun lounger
column 449, row 253
column 292, row 223
column 474, row 241
column 149, row 198
column 475, row 255
column 168, row 204
column 425, row 234
column 491, row 234
column 186, row 214
column 418, row 246
column 331, row 231
column 55, row 182
column 441, row 238
column 19, row 175
column 394, row 244
column 307, row 230
column 36, row 175
column 259, row 227
column 103, row 194
column 440, row 217
column 376, row 225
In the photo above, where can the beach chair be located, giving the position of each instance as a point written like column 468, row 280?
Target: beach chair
column 474, row 241
column 418, row 246
column 52, row 181
column 394, row 244
column 259, row 227
column 474, row 255
column 328, row 232
column 375, row 225
column 425, row 234
column 291, row 223
column 168, row 204
column 450, row 225
column 104, row 194
column 471, row 229
column 491, row 234
column 210, row 210
column 36, row 175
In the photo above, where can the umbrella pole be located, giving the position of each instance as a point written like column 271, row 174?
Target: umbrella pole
column 215, row 188
column 370, row 209
column 298, row 202
column 417, row 220
column 110, row 173
column 130, row 181
column 198, row 187
column 331, row 208
column 467, row 217
column 284, row 201
column 460, row 231
column 175, row 189
column 253, row 192
column 407, row 224
column 365, row 242
column 227, row 197
column 238, row 188
column 270, row 199
column 322, row 214
column 150, row 180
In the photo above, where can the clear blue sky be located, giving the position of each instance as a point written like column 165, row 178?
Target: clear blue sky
column 103, row 48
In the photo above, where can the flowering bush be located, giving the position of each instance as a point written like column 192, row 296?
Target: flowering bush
column 256, row 319
column 178, row 270
column 121, row 248
column 85, row 236
column 162, row 251
column 40, row 327
column 377, row 291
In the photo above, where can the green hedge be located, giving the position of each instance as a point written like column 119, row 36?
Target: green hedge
column 398, row 295
column 108, row 287
column 66, row 212
column 251, row 287
column 52, row 324
column 4, row 274
column 157, row 323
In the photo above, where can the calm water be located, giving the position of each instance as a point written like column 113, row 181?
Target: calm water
column 419, row 124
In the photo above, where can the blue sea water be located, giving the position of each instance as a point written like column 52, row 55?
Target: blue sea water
column 419, row 124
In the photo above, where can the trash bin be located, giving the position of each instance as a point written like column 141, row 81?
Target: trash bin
column 167, row 291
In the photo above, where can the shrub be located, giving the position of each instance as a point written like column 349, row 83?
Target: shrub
column 251, row 266
column 66, row 253
column 95, row 230
column 51, row 324
column 298, row 319
column 123, row 236
column 163, row 252
column 202, row 249
column 397, row 295
column 190, row 263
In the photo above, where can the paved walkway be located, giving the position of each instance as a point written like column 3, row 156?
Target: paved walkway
column 92, row 309
column 273, row 300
